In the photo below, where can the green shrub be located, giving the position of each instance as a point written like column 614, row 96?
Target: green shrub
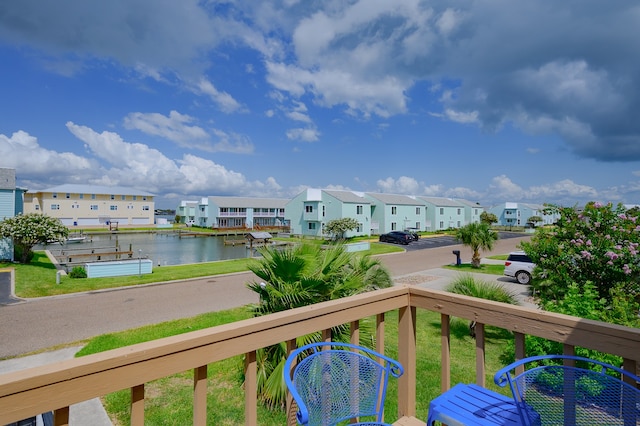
column 78, row 272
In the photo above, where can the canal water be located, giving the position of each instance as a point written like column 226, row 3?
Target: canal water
column 164, row 248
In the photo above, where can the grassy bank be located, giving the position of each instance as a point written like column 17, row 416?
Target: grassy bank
column 38, row 279
column 169, row 399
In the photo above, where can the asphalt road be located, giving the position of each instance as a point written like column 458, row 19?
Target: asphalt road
column 38, row 324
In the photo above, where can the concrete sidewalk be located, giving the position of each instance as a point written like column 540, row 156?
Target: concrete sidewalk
column 85, row 413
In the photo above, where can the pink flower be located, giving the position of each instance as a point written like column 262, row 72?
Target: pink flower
column 611, row 255
column 588, row 243
column 586, row 255
column 626, row 269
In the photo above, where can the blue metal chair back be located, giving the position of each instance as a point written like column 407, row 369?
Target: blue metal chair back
column 333, row 382
column 577, row 391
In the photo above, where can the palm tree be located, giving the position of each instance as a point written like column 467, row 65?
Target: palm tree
column 477, row 236
column 300, row 276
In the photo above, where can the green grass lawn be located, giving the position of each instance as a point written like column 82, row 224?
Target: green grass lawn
column 38, row 279
column 483, row 269
column 169, row 400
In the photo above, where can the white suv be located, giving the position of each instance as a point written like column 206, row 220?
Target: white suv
column 519, row 266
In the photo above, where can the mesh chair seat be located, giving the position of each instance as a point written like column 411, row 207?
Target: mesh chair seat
column 581, row 391
column 333, row 382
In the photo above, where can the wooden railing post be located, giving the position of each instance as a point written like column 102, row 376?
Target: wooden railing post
column 354, row 329
column 200, row 395
column 137, row 405
column 628, row 406
column 250, row 389
column 520, row 348
column 61, row 417
column 291, row 406
column 480, row 355
column 407, row 357
column 445, row 353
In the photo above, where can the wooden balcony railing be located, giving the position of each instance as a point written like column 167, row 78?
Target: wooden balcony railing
column 57, row 386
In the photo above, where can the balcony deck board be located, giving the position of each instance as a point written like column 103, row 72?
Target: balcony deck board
column 409, row 421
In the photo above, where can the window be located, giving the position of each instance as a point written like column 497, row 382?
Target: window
column 475, row 211
column 94, row 207
column 113, row 207
column 459, row 210
column 394, row 209
column 135, row 197
column 441, row 225
column 144, row 198
column 93, row 196
column 54, row 195
column 441, row 210
column 324, row 210
column 37, row 207
column 113, row 197
column 81, row 196
column 308, row 209
column 359, row 228
column 393, row 226
column 417, row 210
column 146, row 208
column 123, row 197
column 55, row 206
column 458, row 224
column 312, row 226
column 67, row 195
column 359, row 209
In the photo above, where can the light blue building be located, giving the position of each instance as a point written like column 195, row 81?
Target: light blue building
column 310, row 211
column 472, row 211
column 391, row 212
column 233, row 212
column 443, row 213
column 518, row 214
column 11, row 204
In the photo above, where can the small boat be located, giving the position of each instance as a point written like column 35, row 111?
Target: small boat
column 75, row 239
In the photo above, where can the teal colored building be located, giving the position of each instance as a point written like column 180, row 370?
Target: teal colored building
column 392, row 212
column 310, row 211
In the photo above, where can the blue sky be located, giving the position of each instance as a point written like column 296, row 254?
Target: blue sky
column 490, row 101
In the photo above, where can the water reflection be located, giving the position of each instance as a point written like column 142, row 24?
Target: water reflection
column 164, row 248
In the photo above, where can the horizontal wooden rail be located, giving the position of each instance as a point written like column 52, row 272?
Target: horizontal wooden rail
column 56, row 386
column 29, row 392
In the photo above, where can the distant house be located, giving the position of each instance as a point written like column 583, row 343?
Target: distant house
column 518, row 214
column 233, row 212
column 11, row 204
column 90, row 205
column 443, row 213
column 187, row 211
column 472, row 211
column 391, row 212
column 312, row 209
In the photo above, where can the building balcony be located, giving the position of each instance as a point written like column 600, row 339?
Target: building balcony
column 57, row 386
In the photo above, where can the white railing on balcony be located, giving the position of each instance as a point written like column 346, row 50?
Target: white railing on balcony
column 57, row 386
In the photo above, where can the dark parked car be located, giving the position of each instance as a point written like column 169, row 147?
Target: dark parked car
column 413, row 232
column 397, row 237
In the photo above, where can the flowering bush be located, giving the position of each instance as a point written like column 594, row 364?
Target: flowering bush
column 27, row 230
column 599, row 245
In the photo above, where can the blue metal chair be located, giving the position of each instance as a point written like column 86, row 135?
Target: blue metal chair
column 580, row 392
column 548, row 392
column 334, row 382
